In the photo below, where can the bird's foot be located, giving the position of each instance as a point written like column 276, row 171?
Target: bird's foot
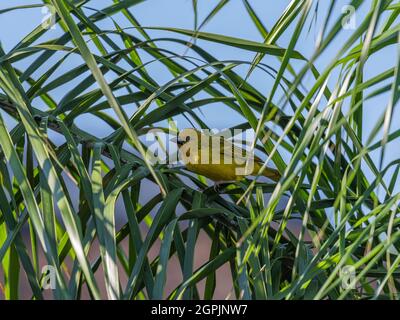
column 217, row 186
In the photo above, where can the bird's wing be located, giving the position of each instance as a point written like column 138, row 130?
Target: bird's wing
column 240, row 155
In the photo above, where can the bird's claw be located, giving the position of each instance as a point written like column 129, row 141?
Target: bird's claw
column 217, row 187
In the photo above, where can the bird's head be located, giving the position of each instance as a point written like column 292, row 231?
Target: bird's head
column 187, row 135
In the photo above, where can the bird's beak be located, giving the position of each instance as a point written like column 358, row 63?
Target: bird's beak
column 178, row 141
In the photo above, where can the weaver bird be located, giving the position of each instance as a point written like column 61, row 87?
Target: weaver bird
column 217, row 158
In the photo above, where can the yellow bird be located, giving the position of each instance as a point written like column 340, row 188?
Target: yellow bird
column 217, row 158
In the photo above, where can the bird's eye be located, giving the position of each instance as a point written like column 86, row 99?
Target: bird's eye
column 187, row 139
